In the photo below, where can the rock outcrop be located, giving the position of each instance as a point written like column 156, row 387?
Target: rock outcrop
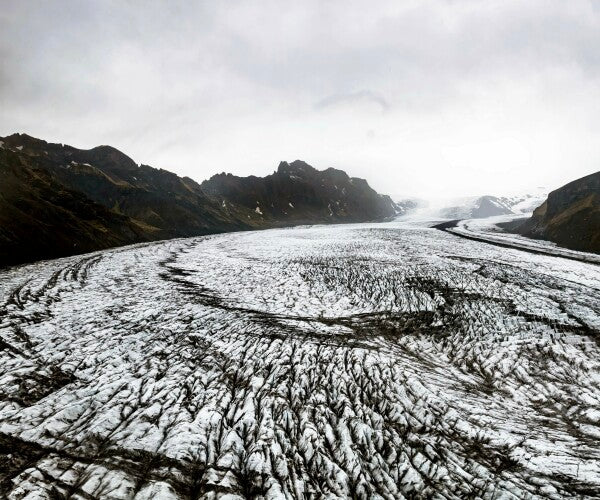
column 570, row 217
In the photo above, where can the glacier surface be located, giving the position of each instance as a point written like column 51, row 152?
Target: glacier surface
column 367, row 361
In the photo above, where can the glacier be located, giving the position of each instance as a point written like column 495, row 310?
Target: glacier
column 385, row 360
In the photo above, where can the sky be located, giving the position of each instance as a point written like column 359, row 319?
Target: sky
column 422, row 98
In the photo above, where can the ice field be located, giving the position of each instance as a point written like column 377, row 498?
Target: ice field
column 367, row 361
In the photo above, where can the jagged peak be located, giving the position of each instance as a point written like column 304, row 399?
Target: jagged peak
column 295, row 167
column 22, row 135
column 336, row 171
column 21, row 139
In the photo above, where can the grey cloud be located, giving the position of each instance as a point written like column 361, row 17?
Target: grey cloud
column 191, row 82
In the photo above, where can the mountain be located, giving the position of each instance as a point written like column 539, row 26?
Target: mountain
column 299, row 194
column 170, row 205
column 570, row 216
column 477, row 208
column 57, row 200
column 406, row 206
column 42, row 218
column 526, row 202
column 490, row 206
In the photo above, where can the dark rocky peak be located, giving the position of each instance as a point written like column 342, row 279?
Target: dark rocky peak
column 298, row 168
column 30, row 145
column 223, row 184
column 23, row 140
column 103, row 157
column 106, row 157
column 228, row 179
column 299, row 193
column 283, row 168
column 336, row 173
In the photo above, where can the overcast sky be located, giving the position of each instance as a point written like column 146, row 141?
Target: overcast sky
column 422, row 98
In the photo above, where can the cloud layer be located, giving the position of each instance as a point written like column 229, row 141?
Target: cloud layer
column 422, row 98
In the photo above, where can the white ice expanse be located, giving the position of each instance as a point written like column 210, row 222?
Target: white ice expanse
column 369, row 360
column 488, row 229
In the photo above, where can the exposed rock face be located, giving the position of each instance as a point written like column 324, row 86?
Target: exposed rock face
column 570, row 216
column 169, row 205
column 299, row 193
column 57, row 200
column 42, row 218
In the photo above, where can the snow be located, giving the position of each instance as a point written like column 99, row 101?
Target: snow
column 258, row 210
column 290, row 204
column 20, row 148
column 526, row 201
column 376, row 360
column 489, row 230
column 463, row 207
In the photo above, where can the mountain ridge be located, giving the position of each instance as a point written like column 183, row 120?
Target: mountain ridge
column 298, row 192
column 82, row 200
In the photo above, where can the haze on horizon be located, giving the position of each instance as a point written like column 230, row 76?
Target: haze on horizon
column 421, row 98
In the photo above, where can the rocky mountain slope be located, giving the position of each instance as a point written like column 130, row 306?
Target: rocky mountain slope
column 570, row 217
column 57, row 200
column 299, row 193
column 42, row 218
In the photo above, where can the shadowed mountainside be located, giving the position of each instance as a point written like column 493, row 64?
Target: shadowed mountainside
column 57, row 200
column 570, row 216
column 298, row 192
column 41, row 218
